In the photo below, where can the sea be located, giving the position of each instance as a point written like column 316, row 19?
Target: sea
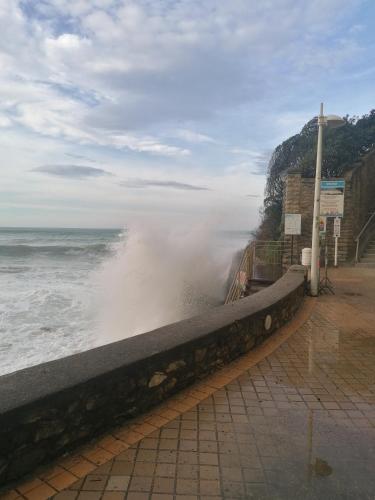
column 54, row 283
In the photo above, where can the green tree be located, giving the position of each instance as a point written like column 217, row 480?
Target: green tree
column 342, row 147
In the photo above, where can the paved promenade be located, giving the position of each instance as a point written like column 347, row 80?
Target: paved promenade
column 294, row 419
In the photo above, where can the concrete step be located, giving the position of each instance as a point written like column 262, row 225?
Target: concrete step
column 365, row 264
column 368, row 259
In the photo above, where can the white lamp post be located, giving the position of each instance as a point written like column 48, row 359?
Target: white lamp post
column 332, row 121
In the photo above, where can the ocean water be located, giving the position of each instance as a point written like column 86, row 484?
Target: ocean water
column 63, row 291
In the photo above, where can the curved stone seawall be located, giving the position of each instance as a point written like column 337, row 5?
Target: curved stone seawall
column 48, row 409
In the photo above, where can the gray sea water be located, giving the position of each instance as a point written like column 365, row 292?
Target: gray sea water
column 46, row 293
column 49, row 291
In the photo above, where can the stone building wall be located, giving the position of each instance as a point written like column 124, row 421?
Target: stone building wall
column 359, row 202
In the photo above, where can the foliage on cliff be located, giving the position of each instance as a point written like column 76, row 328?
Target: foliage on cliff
column 342, row 147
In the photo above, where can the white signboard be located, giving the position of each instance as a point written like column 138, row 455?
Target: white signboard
column 337, row 227
column 332, row 198
column 292, row 224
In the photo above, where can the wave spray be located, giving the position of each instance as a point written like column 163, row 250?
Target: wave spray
column 160, row 275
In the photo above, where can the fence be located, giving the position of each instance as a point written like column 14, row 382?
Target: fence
column 260, row 261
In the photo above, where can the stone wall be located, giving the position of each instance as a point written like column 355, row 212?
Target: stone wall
column 359, row 202
column 363, row 191
column 51, row 408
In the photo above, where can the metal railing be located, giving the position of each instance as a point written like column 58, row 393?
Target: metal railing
column 242, row 275
column 267, row 260
column 261, row 260
column 364, row 235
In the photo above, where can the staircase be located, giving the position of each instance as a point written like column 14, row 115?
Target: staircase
column 368, row 256
column 365, row 253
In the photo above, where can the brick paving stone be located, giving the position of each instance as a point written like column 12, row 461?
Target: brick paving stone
column 298, row 424
column 95, row 482
column 113, row 495
column 66, row 495
column 118, row 483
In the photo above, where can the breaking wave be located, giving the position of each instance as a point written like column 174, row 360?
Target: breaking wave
column 160, row 275
column 53, row 250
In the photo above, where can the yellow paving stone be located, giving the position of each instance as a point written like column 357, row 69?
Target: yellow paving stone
column 181, row 407
column 70, row 461
column 116, row 447
column 82, row 467
column 42, row 492
column 169, row 414
column 97, row 455
column 144, row 428
column 157, row 420
column 51, row 472
column 129, row 436
column 62, row 481
column 29, row 485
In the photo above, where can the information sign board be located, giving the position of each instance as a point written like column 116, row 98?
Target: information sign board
column 332, row 198
column 337, row 227
column 292, row 224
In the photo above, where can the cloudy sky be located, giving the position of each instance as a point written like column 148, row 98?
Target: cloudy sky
column 116, row 109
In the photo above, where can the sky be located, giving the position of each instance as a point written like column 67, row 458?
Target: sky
column 118, row 110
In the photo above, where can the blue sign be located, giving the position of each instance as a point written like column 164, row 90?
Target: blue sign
column 338, row 184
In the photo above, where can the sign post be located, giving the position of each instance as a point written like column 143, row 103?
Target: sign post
column 292, row 228
column 336, row 235
column 332, row 198
column 331, row 205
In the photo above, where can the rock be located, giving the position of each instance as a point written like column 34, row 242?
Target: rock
column 200, row 354
column 49, row 429
column 157, row 379
column 250, row 343
column 172, row 367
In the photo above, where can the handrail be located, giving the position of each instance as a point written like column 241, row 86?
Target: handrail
column 365, row 226
column 235, row 290
column 360, row 234
column 245, row 270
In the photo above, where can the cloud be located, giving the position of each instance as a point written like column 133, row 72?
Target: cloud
column 256, row 161
column 165, row 90
column 72, row 171
column 115, row 69
column 146, row 183
column 193, row 137
column 80, row 157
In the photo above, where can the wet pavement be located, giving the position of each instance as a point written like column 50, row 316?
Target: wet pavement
column 299, row 424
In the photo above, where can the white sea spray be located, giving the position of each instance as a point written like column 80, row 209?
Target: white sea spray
column 160, row 275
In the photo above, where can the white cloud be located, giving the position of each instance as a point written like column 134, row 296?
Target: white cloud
column 148, row 84
column 193, row 137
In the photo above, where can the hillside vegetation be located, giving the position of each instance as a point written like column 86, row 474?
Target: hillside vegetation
column 342, row 147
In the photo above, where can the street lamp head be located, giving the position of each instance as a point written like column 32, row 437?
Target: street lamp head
column 334, row 121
